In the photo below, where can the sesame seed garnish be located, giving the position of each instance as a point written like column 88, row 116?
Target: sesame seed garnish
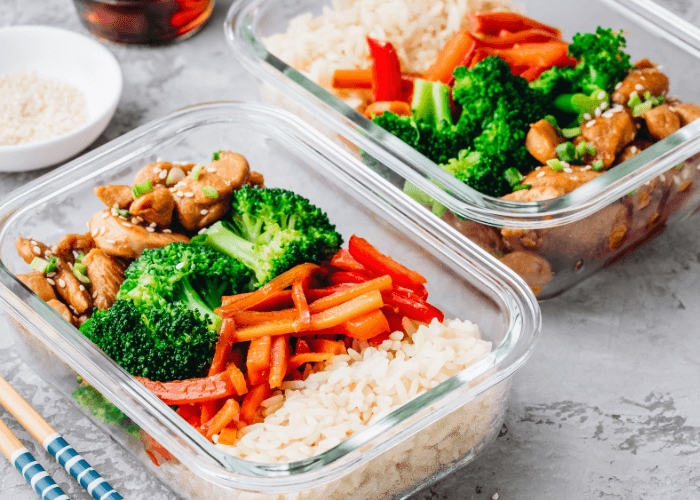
column 111, row 242
column 61, row 283
column 598, row 112
column 587, row 167
column 639, row 87
column 204, row 229
column 103, row 229
column 81, row 288
column 74, row 309
column 204, row 211
column 601, row 95
column 138, row 219
column 180, row 194
column 36, row 249
column 540, row 174
column 565, row 164
column 619, row 84
column 632, row 94
column 644, row 78
column 93, row 233
column 180, row 265
column 70, row 264
column 33, row 242
column 163, row 174
column 211, row 169
column 152, row 224
column 168, row 231
column 189, row 195
column 126, row 224
column 94, row 294
column 83, row 318
column 115, row 212
column 150, row 229
column 590, row 124
column 48, row 253
column 568, row 171
column 156, row 170
column 608, row 114
column 105, row 215
column 76, row 254
column 50, row 275
column 662, row 177
column 633, row 149
column 495, row 496
column 51, row 282
column 604, row 105
column 639, row 125
column 587, row 116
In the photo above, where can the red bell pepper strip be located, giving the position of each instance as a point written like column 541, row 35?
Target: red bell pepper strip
column 313, row 294
column 459, row 46
column 418, row 292
column 508, row 40
column 381, row 264
column 302, row 347
column 347, row 277
column 533, row 73
column 196, row 390
column 492, row 23
column 386, row 71
column 479, row 55
column 534, row 54
column 345, row 261
column 411, row 307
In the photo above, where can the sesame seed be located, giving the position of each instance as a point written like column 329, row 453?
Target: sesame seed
column 598, row 112
column 50, row 275
column 114, row 212
column 36, row 249
column 123, row 218
column 644, row 78
column 167, row 231
column 138, row 219
column 603, row 105
column 163, row 174
column 70, row 264
column 587, row 167
column 180, row 265
column 639, row 87
column 540, row 174
column 568, row 171
column 83, row 318
column 180, row 194
column 111, row 242
column 93, row 233
column 632, row 94
column 94, row 294
column 211, row 169
column 662, row 177
column 48, row 253
column 633, row 149
column 61, row 283
column 495, row 496
column 608, row 114
column 103, row 229
column 81, row 288
column 51, row 282
column 33, row 242
column 105, row 215
column 126, row 224
column 152, row 224
column 590, row 124
column 134, row 220
column 639, row 125
column 156, row 170
column 586, row 116
column 618, row 85
column 189, row 195
column 601, row 95
column 159, row 160
column 150, row 229
column 204, row 211
column 204, row 229
column 75, row 254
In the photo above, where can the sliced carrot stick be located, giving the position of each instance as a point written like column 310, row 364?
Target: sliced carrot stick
column 275, row 301
column 255, row 317
column 303, row 322
column 228, row 436
column 196, row 390
column 236, row 376
column 534, row 54
column 258, row 361
column 313, row 294
column 327, row 346
column 383, row 284
column 368, row 326
column 378, row 108
column 279, row 359
column 253, row 400
column 222, row 353
column 352, row 79
column 457, row 47
column 222, row 418
column 191, row 414
column 209, row 409
column 380, row 264
column 310, row 357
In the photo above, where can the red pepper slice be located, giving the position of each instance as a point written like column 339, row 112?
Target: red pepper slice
column 347, row 277
column 196, row 390
column 492, row 23
column 458, row 47
column 418, row 292
column 506, row 41
column 479, row 55
column 534, row 54
column 345, row 261
column 386, row 71
column 381, row 264
column 533, row 73
column 413, row 308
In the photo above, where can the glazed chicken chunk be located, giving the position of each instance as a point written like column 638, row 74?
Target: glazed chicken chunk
column 106, row 275
column 640, row 81
column 542, row 140
column 661, row 121
column 38, row 284
column 609, row 134
column 547, row 183
column 115, row 196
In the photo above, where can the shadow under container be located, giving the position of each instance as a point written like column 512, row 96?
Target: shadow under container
column 551, row 244
column 415, row 445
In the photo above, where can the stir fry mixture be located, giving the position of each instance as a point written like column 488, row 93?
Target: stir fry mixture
column 512, row 110
column 222, row 296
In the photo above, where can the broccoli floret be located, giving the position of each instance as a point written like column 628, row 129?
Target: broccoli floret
column 272, row 230
column 165, row 342
column 555, row 81
column 603, row 62
column 193, row 275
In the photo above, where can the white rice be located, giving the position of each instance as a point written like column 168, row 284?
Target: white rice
column 351, row 391
column 336, row 39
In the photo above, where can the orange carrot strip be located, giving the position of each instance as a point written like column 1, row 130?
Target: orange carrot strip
column 275, row 301
column 196, row 390
column 383, row 284
column 227, row 413
column 228, row 436
column 222, row 353
column 327, row 346
column 380, row 264
column 378, row 108
column 191, row 414
column 457, row 47
column 310, row 357
column 367, row 326
column 258, row 361
column 352, row 79
column 253, row 400
column 237, row 379
column 303, row 322
column 329, row 318
column 279, row 358
column 255, row 317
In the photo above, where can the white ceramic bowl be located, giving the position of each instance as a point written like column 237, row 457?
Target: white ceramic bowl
column 75, row 59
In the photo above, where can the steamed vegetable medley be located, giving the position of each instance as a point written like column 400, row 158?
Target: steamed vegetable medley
column 223, row 297
column 512, row 110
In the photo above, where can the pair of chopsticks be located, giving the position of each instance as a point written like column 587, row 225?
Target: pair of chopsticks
column 64, row 453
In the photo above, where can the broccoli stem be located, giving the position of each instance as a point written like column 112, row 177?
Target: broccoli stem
column 225, row 241
column 189, row 296
column 431, row 102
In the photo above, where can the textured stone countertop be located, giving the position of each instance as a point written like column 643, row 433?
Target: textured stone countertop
column 607, row 407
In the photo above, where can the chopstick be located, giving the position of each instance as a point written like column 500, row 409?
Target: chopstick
column 56, row 445
column 26, row 464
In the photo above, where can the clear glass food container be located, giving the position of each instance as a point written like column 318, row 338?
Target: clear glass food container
column 552, row 244
column 415, row 445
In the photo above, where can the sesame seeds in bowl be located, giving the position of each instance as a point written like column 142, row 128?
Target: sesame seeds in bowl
column 69, row 86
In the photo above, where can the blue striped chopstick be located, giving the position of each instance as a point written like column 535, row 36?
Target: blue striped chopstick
column 56, row 445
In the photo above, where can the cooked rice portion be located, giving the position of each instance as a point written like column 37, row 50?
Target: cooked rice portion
column 351, row 391
column 418, row 29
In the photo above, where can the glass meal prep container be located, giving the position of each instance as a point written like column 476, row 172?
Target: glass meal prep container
column 415, row 445
column 552, row 244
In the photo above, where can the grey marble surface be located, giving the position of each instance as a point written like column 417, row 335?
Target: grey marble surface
column 608, row 406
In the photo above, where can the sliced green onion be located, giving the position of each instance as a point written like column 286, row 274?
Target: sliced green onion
column 140, row 189
column 679, row 166
column 647, row 95
column 520, row 187
column 553, row 122
column 81, row 268
column 216, row 156
column 590, row 149
column 642, row 108
column 598, row 165
column 513, row 176
column 556, row 165
column 581, row 149
column 196, row 171
column 44, row 266
column 79, row 258
column 210, row 192
column 570, row 133
column 438, row 208
column 124, row 213
column 80, row 272
column 566, row 151
column 634, row 101
column 632, row 193
column 658, row 101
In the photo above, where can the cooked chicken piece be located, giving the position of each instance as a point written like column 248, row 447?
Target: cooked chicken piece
column 645, row 64
column 609, row 135
column 71, row 243
column 542, row 140
column 106, row 275
column 641, row 81
column 661, row 121
column 115, row 196
column 124, row 239
column 632, row 150
column 158, row 172
column 63, row 310
column 196, row 210
column 547, row 183
column 256, row 179
column 28, row 249
column 539, row 193
column 687, row 112
column 535, row 270
column 38, row 284
column 156, row 206
column 484, row 236
column 71, row 290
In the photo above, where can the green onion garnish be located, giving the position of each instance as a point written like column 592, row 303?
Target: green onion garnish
column 513, row 176
column 679, row 166
column 590, row 149
column 520, row 187
column 210, row 192
column 124, row 213
column 79, row 258
column 642, row 108
column 553, row 122
column 634, row 101
column 556, row 165
column 44, row 266
column 598, row 165
column 632, row 193
column 658, row 101
column 81, row 268
column 80, row 272
column 647, row 95
column 196, row 171
column 216, row 156
column 566, row 151
column 570, row 133
column 140, row 189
